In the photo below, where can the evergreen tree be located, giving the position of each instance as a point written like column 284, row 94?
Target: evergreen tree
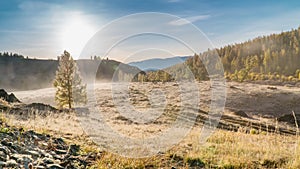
column 68, row 84
column 266, row 57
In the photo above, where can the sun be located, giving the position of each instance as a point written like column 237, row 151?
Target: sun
column 75, row 34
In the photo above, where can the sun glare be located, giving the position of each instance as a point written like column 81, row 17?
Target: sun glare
column 75, row 34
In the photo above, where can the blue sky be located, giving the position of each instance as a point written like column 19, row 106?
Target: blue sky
column 43, row 29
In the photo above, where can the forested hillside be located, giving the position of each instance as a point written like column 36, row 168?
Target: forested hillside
column 20, row 73
column 10, row 56
column 274, row 57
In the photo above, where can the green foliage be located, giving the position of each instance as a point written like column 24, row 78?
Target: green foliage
column 195, row 162
column 192, row 68
column 157, row 76
column 111, row 69
column 4, row 130
column 274, row 57
column 297, row 74
column 253, row 131
column 69, row 88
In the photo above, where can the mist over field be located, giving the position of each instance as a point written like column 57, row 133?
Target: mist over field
column 169, row 84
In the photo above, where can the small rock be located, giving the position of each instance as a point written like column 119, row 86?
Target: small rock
column 33, row 153
column 48, row 160
column 59, row 141
column 74, row 149
column 16, row 147
column 48, row 155
column 289, row 85
column 54, row 166
column 59, row 152
column 5, row 150
column 6, row 143
column 44, row 144
column 11, row 98
column 57, row 157
column 241, row 113
column 2, row 164
column 271, row 88
column 11, row 163
column 233, row 87
column 3, row 157
column 20, row 158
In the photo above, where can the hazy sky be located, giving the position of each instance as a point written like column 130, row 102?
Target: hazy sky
column 43, row 29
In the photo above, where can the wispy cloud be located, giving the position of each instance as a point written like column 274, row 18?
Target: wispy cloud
column 36, row 5
column 173, row 1
column 188, row 20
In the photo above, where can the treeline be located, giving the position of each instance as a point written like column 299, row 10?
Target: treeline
column 10, row 56
column 19, row 73
column 273, row 57
column 154, row 76
column 141, row 76
column 117, row 71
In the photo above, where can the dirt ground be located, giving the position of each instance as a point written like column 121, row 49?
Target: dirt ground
column 150, row 114
column 253, row 99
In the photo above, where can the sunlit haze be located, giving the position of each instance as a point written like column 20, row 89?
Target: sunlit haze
column 43, row 29
column 75, row 34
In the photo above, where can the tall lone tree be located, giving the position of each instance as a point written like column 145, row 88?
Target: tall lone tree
column 68, row 83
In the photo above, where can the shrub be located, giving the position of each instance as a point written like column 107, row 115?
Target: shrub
column 195, row 162
column 253, row 131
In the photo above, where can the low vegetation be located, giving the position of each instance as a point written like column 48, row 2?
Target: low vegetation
column 224, row 149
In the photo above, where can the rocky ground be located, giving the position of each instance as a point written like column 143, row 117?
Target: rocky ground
column 28, row 149
column 10, row 98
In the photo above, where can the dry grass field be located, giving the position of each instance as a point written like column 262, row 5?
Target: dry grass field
column 254, row 140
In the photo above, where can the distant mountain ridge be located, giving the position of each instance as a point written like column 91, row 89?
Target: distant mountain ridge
column 158, row 63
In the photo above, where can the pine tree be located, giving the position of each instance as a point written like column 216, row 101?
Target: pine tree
column 68, row 84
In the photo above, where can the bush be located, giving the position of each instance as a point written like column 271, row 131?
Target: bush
column 290, row 78
column 195, row 162
column 253, row 131
column 4, row 130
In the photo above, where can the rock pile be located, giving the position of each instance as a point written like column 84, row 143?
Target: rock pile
column 28, row 149
column 10, row 98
